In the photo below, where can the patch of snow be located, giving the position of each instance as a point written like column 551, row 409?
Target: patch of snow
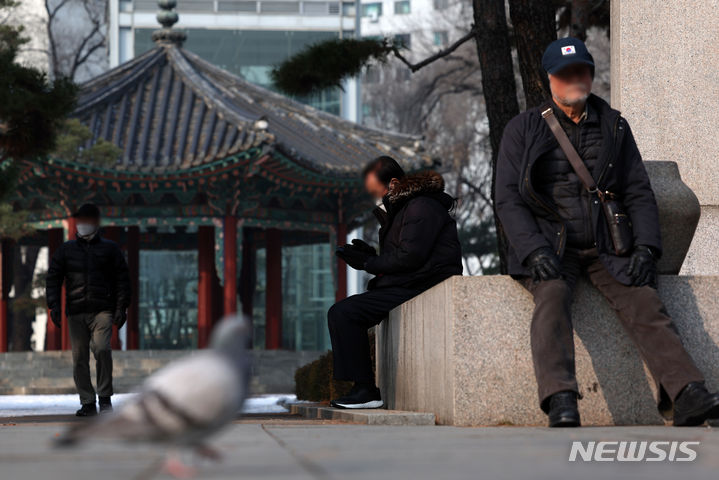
column 33, row 405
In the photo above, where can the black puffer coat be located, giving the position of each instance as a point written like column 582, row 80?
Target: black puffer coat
column 419, row 246
column 555, row 178
column 531, row 220
column 95, row 275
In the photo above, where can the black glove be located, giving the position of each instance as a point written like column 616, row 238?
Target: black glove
column 642, row 268
column 353, row 256
column 56, row 317
column 119, row 318
column 362, row 246
column 544, row 264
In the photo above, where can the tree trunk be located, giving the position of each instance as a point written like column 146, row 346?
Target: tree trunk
column 535, row 27
column 23, row 309
column 498, row 84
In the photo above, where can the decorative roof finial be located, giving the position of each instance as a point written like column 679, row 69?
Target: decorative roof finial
column 167, row 18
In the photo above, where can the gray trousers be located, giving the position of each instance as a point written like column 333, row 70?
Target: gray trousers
column 91, row 331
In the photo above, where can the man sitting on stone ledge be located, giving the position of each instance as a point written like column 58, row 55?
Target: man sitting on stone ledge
column 419, row 248
column 557, row 230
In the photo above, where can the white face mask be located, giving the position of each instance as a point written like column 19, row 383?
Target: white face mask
column 86, row 229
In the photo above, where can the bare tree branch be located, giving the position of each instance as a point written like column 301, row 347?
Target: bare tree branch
column 432, row 58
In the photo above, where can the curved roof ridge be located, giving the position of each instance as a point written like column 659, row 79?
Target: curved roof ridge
column 280, row 97
column 204, row 89
column 92, row 92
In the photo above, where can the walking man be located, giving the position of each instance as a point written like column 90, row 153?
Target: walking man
column 97, row 289
column 574, row 198
column 419, row 248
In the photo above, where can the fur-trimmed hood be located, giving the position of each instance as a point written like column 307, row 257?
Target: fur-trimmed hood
column 423, row 183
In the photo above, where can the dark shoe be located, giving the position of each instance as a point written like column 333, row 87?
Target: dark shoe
column 694, row 405
column 87, row 410
column 105, row 405
column 563, row 411
column 360, row 397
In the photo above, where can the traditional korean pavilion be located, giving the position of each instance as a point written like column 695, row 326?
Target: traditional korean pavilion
column 222, row 186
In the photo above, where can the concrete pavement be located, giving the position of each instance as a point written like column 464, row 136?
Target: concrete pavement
column 287, row 447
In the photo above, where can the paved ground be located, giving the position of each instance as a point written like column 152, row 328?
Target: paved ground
column 288, row 447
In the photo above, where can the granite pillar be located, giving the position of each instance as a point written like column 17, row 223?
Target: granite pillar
column 665, row 70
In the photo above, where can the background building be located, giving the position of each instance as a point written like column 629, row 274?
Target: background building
column 245, row 37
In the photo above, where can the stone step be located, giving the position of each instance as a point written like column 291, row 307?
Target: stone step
column 51, row 372
column 366, row 417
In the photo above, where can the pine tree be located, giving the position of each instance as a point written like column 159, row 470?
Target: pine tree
column 32, row 110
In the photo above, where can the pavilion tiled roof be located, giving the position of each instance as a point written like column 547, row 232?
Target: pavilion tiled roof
column 170, row 110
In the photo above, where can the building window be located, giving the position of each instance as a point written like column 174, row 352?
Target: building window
column 440, row 4
column 401, row 7
column 348, row 9
column 441, row 38
column 126, row 5
column 372, row 10
column 403, row 40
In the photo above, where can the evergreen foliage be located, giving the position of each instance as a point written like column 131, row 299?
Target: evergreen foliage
column 326, row 64
column 32, row 109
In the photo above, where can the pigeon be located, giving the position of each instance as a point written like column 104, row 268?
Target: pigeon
column 184, row 403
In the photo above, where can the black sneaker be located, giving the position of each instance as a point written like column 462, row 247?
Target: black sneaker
column 563, row 411
column 105, row 405
column 360, row 397
column 695, row 405
column 87, row 410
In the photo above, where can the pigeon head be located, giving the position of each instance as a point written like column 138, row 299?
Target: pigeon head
column 231, row 335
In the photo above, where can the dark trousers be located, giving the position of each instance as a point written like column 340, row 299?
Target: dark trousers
column 91, row 332
column 639, row 309
column 349, row 320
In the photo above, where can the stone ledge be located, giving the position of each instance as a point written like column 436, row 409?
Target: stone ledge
column 366, row 417
column 461, row 351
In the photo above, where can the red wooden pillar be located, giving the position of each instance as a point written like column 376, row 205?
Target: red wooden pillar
column 133, row 312
column 113, row 233
column 230, row 274
column 273, row 291
column 341, row 291
column 5, row 282
column 71, row 232
column 205, row 267
column 53, row 338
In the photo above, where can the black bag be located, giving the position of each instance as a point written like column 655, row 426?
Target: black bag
column 619, row 223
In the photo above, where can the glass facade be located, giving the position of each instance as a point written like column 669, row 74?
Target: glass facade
column 168, row 299
column 251, row 54
column 307, row 294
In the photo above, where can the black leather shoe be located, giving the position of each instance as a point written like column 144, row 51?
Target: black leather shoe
column 563, row 411
column 694, row 405
column 105, row 405
column 87, row 410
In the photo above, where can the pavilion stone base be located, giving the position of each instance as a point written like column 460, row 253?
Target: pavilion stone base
column 461, row 351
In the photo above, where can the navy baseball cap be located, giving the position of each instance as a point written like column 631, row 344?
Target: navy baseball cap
column 566, row 51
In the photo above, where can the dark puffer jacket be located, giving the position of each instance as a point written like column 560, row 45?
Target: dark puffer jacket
column 555, row 178
column 95, row 275
column 529, row 218
column 419, row 246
